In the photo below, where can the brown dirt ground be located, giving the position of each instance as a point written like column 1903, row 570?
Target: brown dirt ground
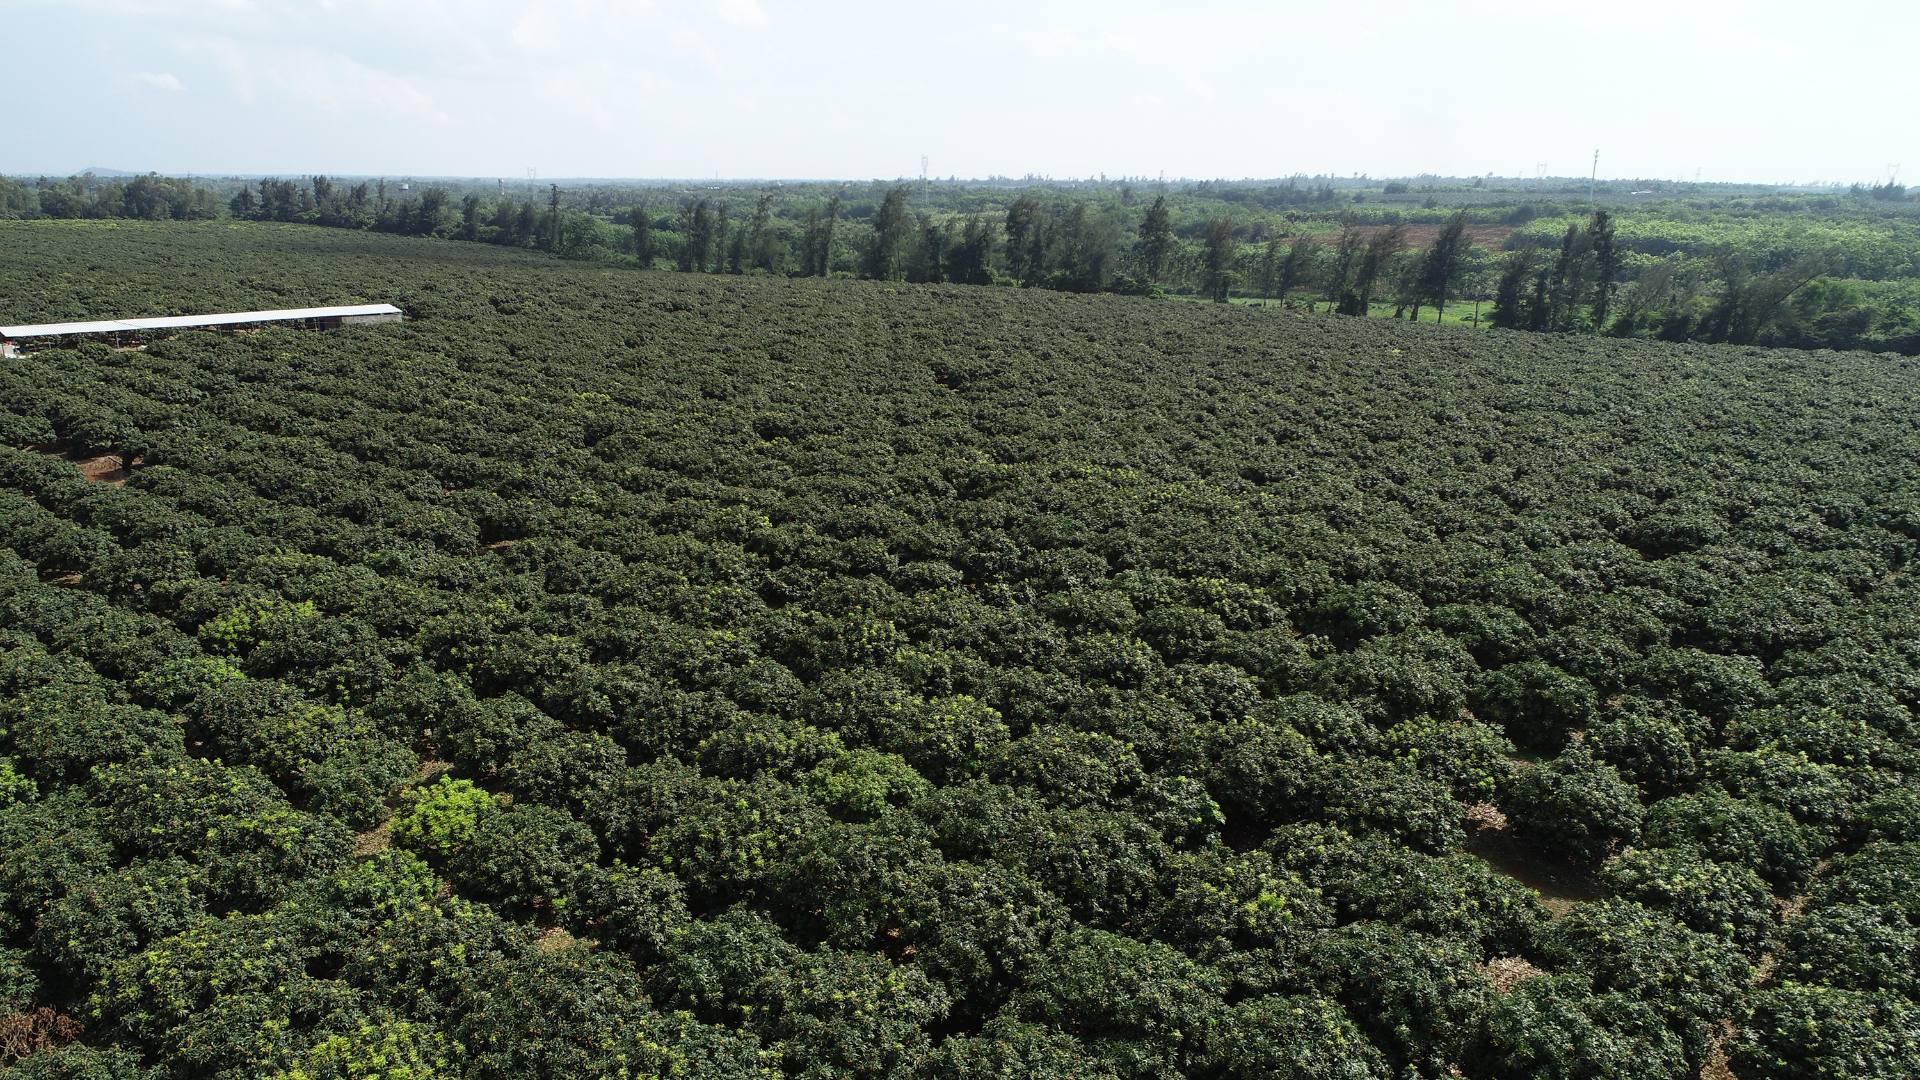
column 1559, row 886
column 1716, row 1067
column 103, row 468
column 374, row 840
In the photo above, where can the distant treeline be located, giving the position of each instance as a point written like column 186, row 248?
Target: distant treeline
column 147, row 198
column 1791, row 269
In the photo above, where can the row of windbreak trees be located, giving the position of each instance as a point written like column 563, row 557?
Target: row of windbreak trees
column 1592, row 281
column 1728, row 297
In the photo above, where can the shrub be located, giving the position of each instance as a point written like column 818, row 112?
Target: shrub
column 1558, row 1027
column 1691, row 978
column 525, row 857
column 1293, row 1038
column 1657, row 752
column 861, row 785
column 569, row 770
column 102, row 920
column 1800, row 1031
column 482, row 736
column 1761, row 838
column 1575, row 806
column 1714, row 898
column 389, row 1050
column 1535, row 703
column 1854, row 947
column 1139, row 1006
column 1469, row 757
column 1007, row 1047
column 1714, row 685
column 443, row 817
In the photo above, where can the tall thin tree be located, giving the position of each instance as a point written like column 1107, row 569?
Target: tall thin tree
column 1218, row 250
column 1156, row 238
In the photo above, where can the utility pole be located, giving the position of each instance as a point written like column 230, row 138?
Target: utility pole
column 923, row 183
column 1593, row 176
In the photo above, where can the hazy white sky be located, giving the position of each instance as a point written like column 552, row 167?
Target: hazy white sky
column 1737, row 89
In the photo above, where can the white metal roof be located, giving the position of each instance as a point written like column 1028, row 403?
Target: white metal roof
column 181, row 322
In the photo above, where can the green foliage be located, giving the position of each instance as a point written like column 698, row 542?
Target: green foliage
column 1658, row 752
column 525, row 857
column 863, row 784
column 639, row 911
column 1370, row 878
column 1855, row 947
column 1801, row 1031
column 19, row 986
column 1726, row 901
column 1293, row 1038
column 1574, row 804
column 390, row 1050
column 78, row 1061
column 102, row 920
column 1470, row 758
column 233, row 823
column 1535, row 703
column 444, row 817
column 14, row 787
column 815, row 677
column 1692, row 979
column 1008, row 1048
column 562, row 1014
column 1879, row 873
column 246, row 627
column 1140, row 1008
column 228, row 994
column 1761, row 838
column 482, row 736
column 1558, row 1028
column 1419, row 997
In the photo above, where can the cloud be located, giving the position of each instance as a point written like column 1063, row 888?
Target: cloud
column 328, row 81
column 159, row 80
column 747, row 13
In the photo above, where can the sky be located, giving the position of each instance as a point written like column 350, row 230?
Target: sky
column 1728, row 90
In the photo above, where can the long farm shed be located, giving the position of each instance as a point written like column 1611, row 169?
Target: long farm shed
column 17, row 339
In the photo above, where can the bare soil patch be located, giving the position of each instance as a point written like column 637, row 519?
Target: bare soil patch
column 1559, row 884
column 1715, row 1067
column 374, row 840
column 100, row 468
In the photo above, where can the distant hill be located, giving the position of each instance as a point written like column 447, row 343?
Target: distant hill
column 106, row 173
